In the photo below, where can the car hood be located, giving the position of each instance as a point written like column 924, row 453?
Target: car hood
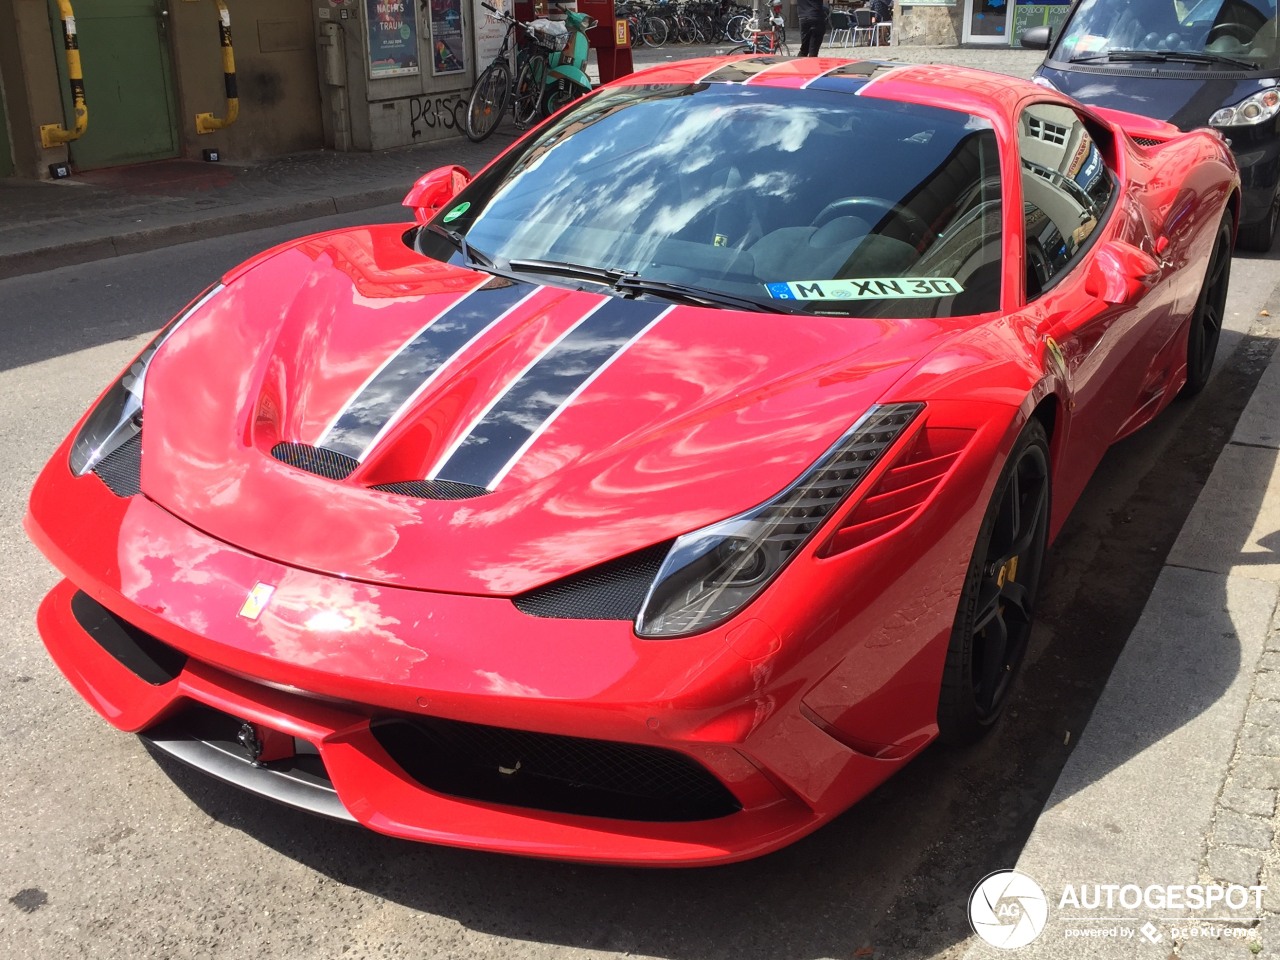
column 1172, row 92
column 298, row 413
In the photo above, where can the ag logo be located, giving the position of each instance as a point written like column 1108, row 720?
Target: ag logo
column 257, row 600
column 1008, row 909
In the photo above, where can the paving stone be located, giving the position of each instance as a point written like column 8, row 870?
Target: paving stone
column 1235, row 865
column 1243, row 831
column 1251, row 800
column 1256, row 772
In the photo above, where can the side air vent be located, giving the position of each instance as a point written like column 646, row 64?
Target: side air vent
column 433, row 489
column 1148, row 141
column 611, row 591
column 121, row 469
column 142, row 654
column 317, row 460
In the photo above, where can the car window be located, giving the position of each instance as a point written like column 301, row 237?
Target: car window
column 801, row 200
column 1066, row 189
column 1224, row 30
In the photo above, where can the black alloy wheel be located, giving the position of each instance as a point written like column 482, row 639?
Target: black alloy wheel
column 1259, row 237
column 1211, row 306
column 997, row 604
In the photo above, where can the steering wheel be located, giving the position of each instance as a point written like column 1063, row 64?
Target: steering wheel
column 849, row 207
column 1236, row 31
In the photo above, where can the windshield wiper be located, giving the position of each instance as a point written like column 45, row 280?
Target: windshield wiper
column 469, row 253
column 1165, row 56
column 630, row 283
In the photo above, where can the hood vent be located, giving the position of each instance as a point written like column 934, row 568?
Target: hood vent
column 433, row 489
column 317, row 460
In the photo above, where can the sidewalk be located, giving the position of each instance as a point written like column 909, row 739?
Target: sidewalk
column 121, row 210
column 1175, row 779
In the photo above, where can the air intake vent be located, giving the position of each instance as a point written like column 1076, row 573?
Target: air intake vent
column 543, row 771
column 145, row 657
column 1148, row 141
column 317, row 460
column 433, row 489
column 121, row 469
column 611, row 591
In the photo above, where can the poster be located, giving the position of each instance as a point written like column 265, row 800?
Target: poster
column 489, row 33
column 448, row 51
column 393, row 38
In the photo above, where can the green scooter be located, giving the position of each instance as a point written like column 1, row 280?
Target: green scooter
column 566, row 74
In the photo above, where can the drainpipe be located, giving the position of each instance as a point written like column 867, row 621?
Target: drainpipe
column 53, row 134
column 207, row 122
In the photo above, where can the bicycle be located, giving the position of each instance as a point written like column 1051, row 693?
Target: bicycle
column 494, row 86
column 773, row 40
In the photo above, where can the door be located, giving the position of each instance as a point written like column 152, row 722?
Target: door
column 128, row 82
column 986, row 21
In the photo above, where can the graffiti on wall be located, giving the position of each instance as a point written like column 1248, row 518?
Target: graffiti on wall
column 429, row 112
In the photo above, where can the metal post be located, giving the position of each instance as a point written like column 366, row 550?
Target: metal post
column 53, row 134
column 207, row 122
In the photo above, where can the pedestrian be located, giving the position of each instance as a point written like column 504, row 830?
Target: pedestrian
column 881, row 13
column 813, row 24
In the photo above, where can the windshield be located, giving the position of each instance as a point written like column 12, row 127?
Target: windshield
column 772, row 199
column 1228, row 34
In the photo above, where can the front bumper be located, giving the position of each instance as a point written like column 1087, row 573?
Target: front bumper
column 329, row 665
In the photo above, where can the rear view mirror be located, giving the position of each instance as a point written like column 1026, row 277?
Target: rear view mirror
column 1119, row 272
column 1036, row 38
column 433, row 190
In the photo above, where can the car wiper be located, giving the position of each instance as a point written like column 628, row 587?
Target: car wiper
column 469, row 253
column 630, row 283
column 1164, row 56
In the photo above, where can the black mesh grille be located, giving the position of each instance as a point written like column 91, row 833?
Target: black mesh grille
column 611, row 591
column 433, row 489
column 317, row 460
column 1148, row 141
column 121, row 469
column 599, row 778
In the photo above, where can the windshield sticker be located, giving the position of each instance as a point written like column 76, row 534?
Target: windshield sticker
column 456, row 212
column 869, row 288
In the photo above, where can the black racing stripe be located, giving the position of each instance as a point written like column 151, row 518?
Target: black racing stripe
column 742, row 70
column 382, row 398
column 533, row 399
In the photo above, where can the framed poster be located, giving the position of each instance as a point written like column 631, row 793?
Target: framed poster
column 488, row 33
column 448, row 50
column 393, row 38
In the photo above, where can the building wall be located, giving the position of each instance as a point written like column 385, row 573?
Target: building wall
column 30, row 82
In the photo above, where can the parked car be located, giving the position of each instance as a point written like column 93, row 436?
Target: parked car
column 1216, row 62
column 663, row 488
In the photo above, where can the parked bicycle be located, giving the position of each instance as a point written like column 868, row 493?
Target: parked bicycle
column 495, row 86
column 773, row 39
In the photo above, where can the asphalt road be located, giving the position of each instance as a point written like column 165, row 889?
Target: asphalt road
column 111, row 853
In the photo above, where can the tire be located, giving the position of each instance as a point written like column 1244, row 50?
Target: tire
column 559, row 95
column 1206, row 320
column 1259, row 237
column 653, row 31
column 704, row 29
column 997, row 604
column 733, row 30
column 526, row 96
column 488, row 100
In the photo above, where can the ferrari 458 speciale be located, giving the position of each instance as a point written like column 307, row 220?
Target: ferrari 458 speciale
column 663, row 488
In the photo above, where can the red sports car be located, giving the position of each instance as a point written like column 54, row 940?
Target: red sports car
column 662, row 490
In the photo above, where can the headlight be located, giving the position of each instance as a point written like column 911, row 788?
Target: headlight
column 712, row 573
column 118, row 416
column 1258, row 108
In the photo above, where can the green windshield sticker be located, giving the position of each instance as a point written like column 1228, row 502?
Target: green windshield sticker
column 457, row 211
column 866, row 288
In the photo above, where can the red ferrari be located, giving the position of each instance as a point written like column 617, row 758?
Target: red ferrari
column 662, row 490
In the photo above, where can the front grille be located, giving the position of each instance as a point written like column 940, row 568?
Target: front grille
column 317, row 460
column 611, row 591
column 433, row 489
column 121, row 469
column 596, row 778
column 142, row 654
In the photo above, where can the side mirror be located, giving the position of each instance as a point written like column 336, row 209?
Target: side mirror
column 1119, row 272
column 433, row 190
column 1036, row 38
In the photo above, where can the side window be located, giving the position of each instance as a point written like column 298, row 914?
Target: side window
column 1066, row 188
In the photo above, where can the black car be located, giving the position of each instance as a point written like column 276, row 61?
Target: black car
column 1214, row 62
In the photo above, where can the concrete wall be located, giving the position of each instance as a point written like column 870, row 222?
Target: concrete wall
column 31, row 83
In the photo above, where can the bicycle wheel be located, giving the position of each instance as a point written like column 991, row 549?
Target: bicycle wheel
column 654, row 31
column 527, row 94
column 704, row 29
column 735, row 28
column 488, row 99
column 683, row 29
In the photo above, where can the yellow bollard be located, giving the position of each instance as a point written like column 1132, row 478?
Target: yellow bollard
column 53, row 134
column 207, row 122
